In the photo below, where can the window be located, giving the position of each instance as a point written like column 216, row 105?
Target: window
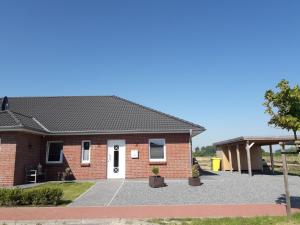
column 54, row 152
column 157, row 150
column 85, row 151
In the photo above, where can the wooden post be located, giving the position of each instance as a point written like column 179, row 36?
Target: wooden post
column 220, row 149
column 230, row 158
column 271, row 159
column 249, row 158
column 223, row 157
column 238, row 158
column 286, row 185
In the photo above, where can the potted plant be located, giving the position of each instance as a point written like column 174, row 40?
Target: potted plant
column 67, row 174
column 156, row 180
column 195, row 179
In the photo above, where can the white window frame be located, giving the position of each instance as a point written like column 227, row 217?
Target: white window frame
column 61, row 158
column 165, row 152
column 82, row 146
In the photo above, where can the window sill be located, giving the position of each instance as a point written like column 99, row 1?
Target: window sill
column 54, row 163
column 85, row 164
column 158, row 163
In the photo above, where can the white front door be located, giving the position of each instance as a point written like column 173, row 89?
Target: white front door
column 116, row 158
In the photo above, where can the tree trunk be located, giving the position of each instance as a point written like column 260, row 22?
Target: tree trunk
column 295, row 134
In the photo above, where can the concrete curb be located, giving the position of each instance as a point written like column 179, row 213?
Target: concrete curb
column 76, row 222
column 138, row 212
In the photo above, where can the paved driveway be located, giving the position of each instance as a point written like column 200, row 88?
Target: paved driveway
column 223, row 188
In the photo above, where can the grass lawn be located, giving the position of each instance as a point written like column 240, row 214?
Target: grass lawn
column 233, row 221
column 71, row 189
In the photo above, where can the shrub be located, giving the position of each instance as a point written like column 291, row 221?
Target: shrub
column 10, row 197
column 27, row 197
column 3, row 196
column 155, row 171
column 195, row 171
column 54, row 195
column 44, row 196
column 38, row 196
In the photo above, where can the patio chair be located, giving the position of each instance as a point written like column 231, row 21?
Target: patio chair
column 30, row 174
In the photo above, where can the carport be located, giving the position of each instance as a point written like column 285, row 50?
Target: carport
column 244, row 153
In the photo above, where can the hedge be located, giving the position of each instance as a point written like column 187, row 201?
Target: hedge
column 37, row 196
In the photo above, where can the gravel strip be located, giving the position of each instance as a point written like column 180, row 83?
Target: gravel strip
column 223, row 188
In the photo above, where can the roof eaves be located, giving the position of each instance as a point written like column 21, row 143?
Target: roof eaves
column 21, row 128
column 91, row 132
column 117, row 132
column 10, row 127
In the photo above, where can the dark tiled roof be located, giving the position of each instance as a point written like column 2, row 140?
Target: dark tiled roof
column 29, row 122
column 17, row 120
column 7, row 120
column 106, row 114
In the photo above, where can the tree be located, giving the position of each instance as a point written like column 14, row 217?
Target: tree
column 205, row 151
column 284, row 107
column 208, row 151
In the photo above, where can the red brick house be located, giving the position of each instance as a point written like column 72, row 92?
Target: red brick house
column 98, row 137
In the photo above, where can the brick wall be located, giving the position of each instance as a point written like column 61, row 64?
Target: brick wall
column 18, row 150
column 27, row 154
column 177, row 152
column 7, row 159
column 177, row 155
column 72, row 157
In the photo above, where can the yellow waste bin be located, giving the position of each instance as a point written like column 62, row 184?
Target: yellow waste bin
column 216, row 164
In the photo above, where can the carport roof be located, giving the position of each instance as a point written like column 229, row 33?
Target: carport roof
column 262, row 140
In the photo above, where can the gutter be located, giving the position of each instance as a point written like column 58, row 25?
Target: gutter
column 20, row 129
column 94, row 132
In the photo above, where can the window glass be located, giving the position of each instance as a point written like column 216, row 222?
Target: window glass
column 116, row 158
column 86, row 151
column 157, row 150
column 55, row 152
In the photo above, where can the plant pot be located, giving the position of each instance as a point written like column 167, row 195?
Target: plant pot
column 156, row 181
column 194, row 181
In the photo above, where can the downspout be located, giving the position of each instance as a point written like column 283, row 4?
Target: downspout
column 191, row 148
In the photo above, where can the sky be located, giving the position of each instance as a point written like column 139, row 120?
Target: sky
column 209, row 62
